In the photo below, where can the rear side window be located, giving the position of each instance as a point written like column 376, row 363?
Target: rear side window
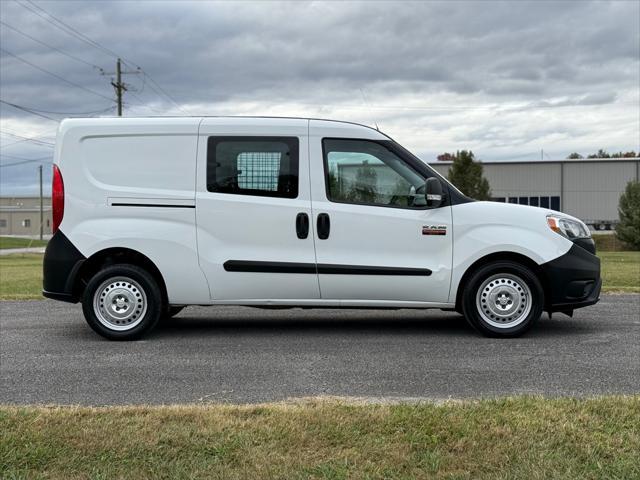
column 263, row 166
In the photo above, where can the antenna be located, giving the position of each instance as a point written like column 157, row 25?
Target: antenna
column 366, row 104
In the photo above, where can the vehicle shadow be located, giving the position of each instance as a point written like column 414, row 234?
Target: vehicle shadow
column 208, row 321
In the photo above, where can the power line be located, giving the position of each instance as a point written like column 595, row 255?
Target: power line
column 24, row 109
column 15, row 157
column 17, row 30
column 55, row 75
column 497, row 107
column 160, row 91
column 36, row 139
column 163, row 91
column 142, row 104
column 3, row 147
column 93, row 112
column 41, row 142
column 68, row 29
column 23, row 160
column 21, row 163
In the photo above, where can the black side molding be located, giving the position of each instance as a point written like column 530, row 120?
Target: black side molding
column 322, row 268
column 328, row 269
column 63, row 297
column 268, row 267
column 157, row 205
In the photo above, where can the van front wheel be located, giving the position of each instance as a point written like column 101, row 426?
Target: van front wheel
column 122, row 302
column 503, row 299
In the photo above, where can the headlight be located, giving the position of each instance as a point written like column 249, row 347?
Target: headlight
column 568, row 228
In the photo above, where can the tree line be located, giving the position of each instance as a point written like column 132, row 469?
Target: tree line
column 603, row 154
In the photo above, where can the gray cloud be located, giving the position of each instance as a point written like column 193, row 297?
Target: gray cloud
column 434, row 73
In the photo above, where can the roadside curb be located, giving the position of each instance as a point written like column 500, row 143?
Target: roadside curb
column 11, row 251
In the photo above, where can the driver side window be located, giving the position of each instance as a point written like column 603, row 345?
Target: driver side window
column 367, row 173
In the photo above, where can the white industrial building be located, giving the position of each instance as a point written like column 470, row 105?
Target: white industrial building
column 588, row 189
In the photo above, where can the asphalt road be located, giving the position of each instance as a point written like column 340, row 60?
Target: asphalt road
column 232, row 354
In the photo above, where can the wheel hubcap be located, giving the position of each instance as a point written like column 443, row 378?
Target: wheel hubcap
column 504, row 300
column 120, row 303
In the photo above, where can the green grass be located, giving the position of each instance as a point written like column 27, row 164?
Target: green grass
column 610, row 243
column 620, row 271
column 21, row 274
column 523, row 437
column 13, row 242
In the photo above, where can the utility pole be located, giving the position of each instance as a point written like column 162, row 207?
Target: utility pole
column 41, row 203
column 118, row 85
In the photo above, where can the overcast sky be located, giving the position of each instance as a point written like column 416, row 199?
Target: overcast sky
column 505, row 79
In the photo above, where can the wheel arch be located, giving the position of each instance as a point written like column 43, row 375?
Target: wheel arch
column 502, row 256
column 113, row 256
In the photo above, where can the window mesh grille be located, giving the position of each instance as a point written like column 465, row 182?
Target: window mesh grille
column 259, row 170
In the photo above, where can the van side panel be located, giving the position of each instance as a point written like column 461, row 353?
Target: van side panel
column 131, row 184
column 141, row 165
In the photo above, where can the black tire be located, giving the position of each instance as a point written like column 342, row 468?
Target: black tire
column 139, row 298
column 503, row 282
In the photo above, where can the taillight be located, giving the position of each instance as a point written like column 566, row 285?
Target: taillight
column 57, row 198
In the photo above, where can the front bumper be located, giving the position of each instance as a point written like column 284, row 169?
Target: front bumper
column 572, row 280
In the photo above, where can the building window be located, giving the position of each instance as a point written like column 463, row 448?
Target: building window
column 3, row 223
column 47, row 222
column 552, row 203
column 26, row 223
column 263, row 166
column 499, row 199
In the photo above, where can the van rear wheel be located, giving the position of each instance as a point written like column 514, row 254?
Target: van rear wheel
column 122, row 302
column 503, row 299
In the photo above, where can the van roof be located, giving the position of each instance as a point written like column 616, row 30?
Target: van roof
column 275, row 119
column 245, row 120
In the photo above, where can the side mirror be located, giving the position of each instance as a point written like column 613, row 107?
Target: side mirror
column 433, row 192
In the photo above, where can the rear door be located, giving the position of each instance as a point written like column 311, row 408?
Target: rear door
column 376, row 239
column 253, row 209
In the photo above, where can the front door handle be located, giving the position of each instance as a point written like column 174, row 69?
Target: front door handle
column 302, row 225
column 324, row 226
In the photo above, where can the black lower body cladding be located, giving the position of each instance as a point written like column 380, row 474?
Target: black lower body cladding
column 573, row 280
column 62, row 260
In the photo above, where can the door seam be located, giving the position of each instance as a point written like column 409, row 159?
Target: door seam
column 312, row 223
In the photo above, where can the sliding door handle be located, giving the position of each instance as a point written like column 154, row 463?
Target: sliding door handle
column 302, row 225
column 324, row 226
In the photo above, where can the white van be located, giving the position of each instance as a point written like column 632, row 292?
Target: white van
column 153, row 214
